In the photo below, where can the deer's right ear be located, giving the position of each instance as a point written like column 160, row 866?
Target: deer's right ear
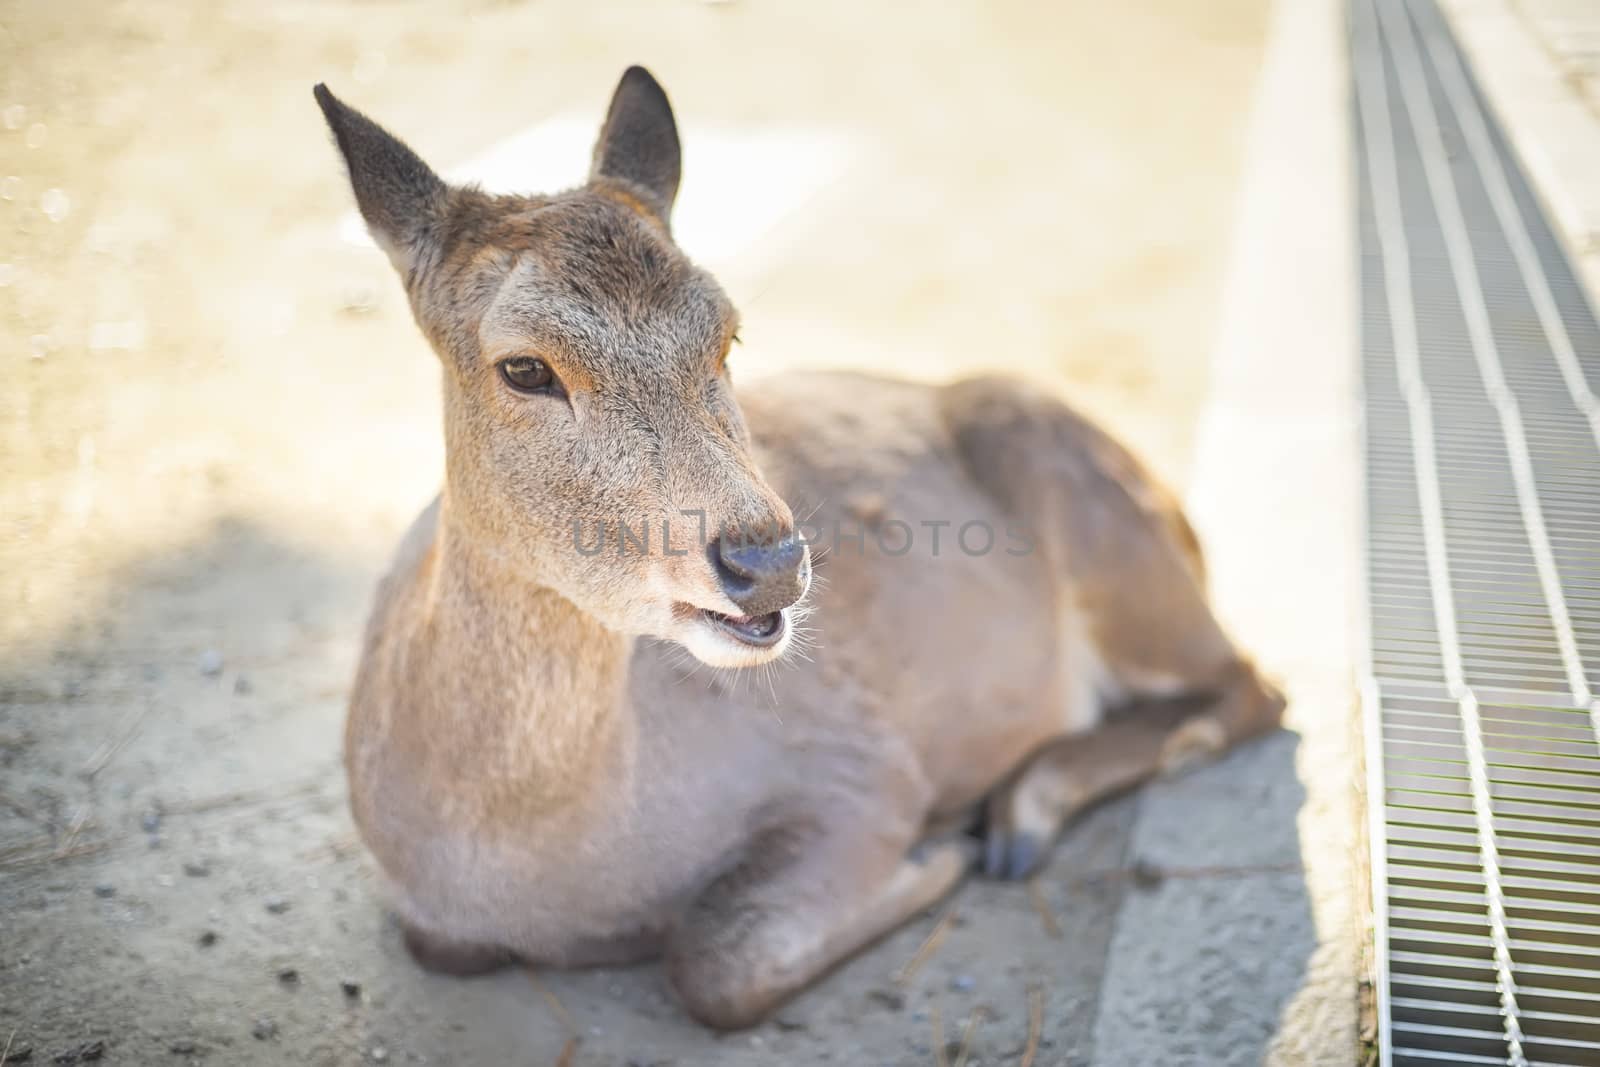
column 639, row 141
column 400, row 197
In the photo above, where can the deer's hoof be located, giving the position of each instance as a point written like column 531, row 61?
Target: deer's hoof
column 1012, row 855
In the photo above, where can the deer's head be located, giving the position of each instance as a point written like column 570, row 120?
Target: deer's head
column 589, row 419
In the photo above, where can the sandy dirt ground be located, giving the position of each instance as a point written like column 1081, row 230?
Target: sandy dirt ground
column 216, row 418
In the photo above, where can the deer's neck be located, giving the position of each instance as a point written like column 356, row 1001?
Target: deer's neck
column 536, row 686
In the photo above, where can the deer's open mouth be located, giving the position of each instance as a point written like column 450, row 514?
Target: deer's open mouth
column 757, row 631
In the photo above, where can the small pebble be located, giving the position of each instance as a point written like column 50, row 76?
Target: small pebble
column 105, row 891
column 166, row 881
column 241, row 685
column 196, row 868
column 182, row 1047
column 208, row 938
column 151, row 822
column 1147, row 875
column 963, row 983
column 289, row 976
column 264, row 1029
column 211, row 663
column 892, row 999
column 789, row 1023
column 350, row 989
column 84, row 1053
column 378, row 1054
column 277, row 905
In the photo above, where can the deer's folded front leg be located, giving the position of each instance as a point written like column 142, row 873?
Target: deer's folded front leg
column 801, row 903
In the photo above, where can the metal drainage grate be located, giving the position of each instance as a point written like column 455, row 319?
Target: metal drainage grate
column 1481, row 364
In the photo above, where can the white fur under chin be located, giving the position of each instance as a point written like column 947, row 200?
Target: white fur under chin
column 714, row 648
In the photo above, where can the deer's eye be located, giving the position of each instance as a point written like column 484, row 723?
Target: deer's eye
column 722, row 360
column 528, row 375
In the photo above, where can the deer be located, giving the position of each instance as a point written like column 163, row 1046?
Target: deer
column 538, row 766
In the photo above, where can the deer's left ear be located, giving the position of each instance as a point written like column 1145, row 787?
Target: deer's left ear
column 400, row 196
column 639, row 141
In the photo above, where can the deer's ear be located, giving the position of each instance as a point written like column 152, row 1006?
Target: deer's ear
column 399, row 195
column 639, row 142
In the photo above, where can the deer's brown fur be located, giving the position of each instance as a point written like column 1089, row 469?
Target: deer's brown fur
column 532, row 762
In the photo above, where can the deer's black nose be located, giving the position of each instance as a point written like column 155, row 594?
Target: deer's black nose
column 760, row 576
